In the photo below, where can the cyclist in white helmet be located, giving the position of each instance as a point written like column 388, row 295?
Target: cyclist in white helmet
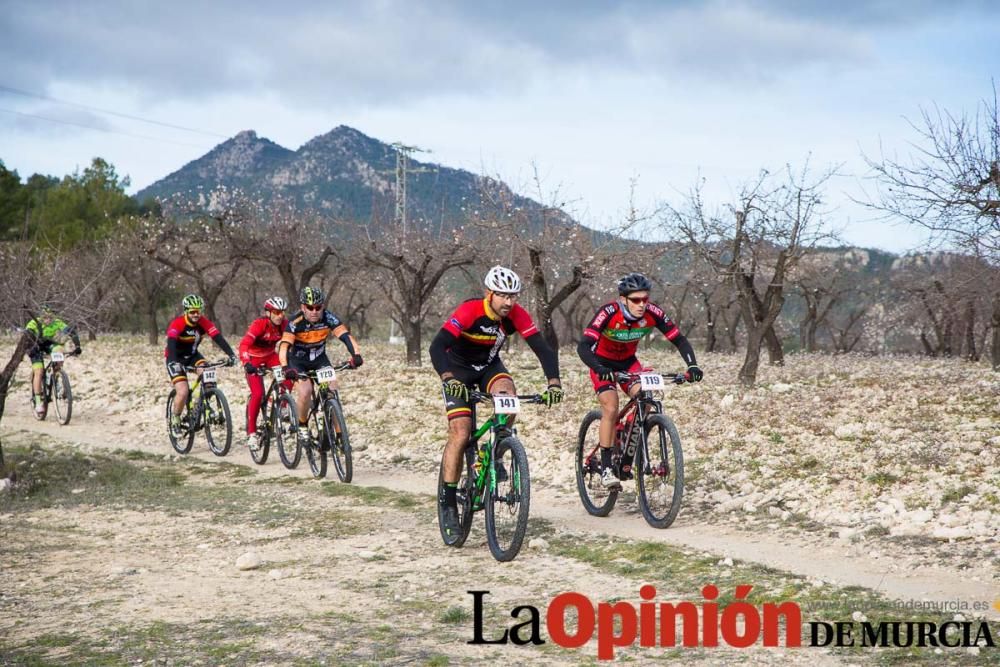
column 466, row 353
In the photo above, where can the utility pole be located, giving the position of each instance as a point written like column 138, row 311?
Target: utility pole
column 403, row 153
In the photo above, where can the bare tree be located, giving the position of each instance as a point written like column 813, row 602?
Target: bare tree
column 760, row 238
column 147, row 280
column 30, row 278
column 825, row 279
column 951, row 186
column 407, row 269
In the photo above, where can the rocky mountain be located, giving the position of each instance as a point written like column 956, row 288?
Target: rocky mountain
column 343, row 173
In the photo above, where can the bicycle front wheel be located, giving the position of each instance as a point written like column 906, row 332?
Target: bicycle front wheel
column 316, row 449
column 660, row 481
column 597, row 500
column 62, row 396
column 338, row 440
column 285, row 424
column 183, row 441
column 218, row 422
column 264, row 421
column 507, row 500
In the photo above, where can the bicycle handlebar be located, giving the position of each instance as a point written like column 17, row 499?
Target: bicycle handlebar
column 675, row 378
column 479, row 396
column 211, row 364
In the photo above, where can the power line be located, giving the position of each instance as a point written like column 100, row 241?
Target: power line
column 102, row 129
column 109, row 112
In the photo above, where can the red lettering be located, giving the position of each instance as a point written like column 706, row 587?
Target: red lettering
column 555, row 620
column 606, row 637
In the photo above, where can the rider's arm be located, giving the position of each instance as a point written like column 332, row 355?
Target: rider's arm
column 340, row 330
column 673, row 334
column 592, row 334
column 249, row 338
column 220, row 340
column 525, row 326
column 223, row 344
column 546, row 355
column 70, row 331
column 286, row 342
column 439, row 352
column 585, row 349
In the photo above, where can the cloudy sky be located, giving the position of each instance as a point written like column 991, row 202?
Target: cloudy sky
column 593, row 94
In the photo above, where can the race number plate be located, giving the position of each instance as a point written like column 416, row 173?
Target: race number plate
column 278, row 374
column 326, row 374
column 58, row 356
column 209, row 375
column 506, row 405
column 651, row 381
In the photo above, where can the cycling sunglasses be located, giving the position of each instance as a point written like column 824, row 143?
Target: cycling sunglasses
column 314, row 308
column 638, row 299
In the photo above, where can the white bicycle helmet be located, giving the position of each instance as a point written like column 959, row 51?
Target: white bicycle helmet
column 500, row 279
column 275, row 303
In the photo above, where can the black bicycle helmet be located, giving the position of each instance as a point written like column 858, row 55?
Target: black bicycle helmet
column 311, row 296
column 633, row 282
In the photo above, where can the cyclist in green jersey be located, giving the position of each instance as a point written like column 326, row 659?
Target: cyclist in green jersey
column 48, row 333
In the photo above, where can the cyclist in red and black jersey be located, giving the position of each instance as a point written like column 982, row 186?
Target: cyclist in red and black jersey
column 466, row 353
column 184, row 333
column 608, row 345
column 257, row 350
column 303, row 349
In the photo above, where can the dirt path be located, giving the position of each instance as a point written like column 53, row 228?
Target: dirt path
column 817, row 557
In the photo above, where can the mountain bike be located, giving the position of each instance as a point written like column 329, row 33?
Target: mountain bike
column 647, row 448
column 494, row 478
column 56, row 389
column 268, row 424
column 326, row 426
column 207, row 409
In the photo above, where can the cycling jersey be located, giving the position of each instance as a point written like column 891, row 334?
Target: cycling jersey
column 616, row 337
column 48, row 336
column 183, row 337
column 480, row 333
column 260, row 340
column 308, row 339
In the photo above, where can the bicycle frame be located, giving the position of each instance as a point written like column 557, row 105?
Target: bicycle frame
column 484, row 454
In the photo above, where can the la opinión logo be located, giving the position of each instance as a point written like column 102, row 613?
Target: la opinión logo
column 707, row 624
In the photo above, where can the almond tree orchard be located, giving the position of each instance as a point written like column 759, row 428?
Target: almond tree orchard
column 406, row 268
column 950, row 185
column 753, row 243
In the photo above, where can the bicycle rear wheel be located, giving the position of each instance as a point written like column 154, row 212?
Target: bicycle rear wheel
column 660, row 481
column 286, row 425
column 316, row 449
column 264, row 420
column 597, row 500
column 218, row 422
column 181, row 443
column 339, row 440
column 62, row 396
column 464, row 495
column 508, row 501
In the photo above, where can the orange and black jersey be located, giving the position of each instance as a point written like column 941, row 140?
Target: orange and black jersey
column 302, row 334
column 473, row 335
column 183, row 337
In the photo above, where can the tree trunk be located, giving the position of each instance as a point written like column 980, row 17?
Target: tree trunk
column 751, row 362
column 970, row 331
column 775, row 353
column 23, row 343
column 412, row 333
column 995, row 347
column 152, row 328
